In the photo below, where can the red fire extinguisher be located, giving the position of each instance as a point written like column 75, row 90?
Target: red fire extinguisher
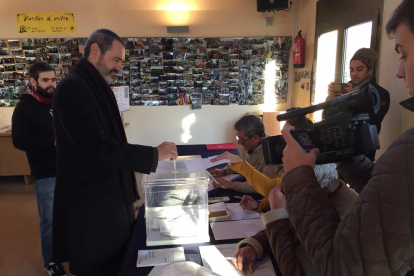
column 299, row 51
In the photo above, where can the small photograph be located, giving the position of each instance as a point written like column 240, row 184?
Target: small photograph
column 29, row 53
column 182, row 99
column 81, row 41
column 14, row 43
column 9, row 103
column 28, row 44
column 3, row 44
column 20, row 59
column 4, row 93
column 53, row 58
column 212, row 53
column 20, row 67
column 40, row 42
column 2, row 69
column 12, row 93
column 196, row 104
column 213, row 42
column 30, row 60
column 224, row 99
column 307, row 86
column 4, row 51
column 65, row 57
column 179, row 54
column 2, row 84
column 52, row 49
column 9, row 67
column 297, row 76
column 52, row 41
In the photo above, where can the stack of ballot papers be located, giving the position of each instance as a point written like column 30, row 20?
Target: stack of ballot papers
column 160, row 256
column 243, row 223
column 5, row 129
column 216, row 258
column 230, row 211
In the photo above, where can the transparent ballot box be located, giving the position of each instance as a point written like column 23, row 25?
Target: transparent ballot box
column 176, row 204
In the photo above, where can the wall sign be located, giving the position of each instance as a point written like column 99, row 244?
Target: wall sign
column 46, row 23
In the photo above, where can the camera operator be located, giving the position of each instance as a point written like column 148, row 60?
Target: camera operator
column 376, row 237
column 361, row 71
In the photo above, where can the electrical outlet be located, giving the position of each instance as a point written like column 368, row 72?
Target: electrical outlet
column 269, row 21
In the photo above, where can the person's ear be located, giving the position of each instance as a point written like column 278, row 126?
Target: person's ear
column 95, row 51
column 33, row 82
column 370, row 71
column 256, row 138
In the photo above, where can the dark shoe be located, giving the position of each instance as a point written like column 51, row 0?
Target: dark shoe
column 55, row 269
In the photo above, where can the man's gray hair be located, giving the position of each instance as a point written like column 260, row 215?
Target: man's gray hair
column 104, row 38
column 251, row 125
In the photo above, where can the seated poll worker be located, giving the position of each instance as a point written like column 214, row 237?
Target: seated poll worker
column 279, row 236
column 249, row 132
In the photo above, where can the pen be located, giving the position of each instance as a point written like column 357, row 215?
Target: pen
column 252, row 199
column 251, row 260
column 213, row 178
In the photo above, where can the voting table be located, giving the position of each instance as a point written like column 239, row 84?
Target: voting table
column 137, row 240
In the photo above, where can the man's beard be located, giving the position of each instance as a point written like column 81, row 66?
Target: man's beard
column 43, row 92
column 106, row 72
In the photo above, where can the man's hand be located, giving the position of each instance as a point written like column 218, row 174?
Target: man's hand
column 227, row 155
column 248, row 203
column 247, row 252
column 348, row 87
column 217, row 173
column 293, row 154
column 223, row 183
column 277, row 198
column 168, row 151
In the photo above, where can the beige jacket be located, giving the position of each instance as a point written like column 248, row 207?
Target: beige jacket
column 256, row 159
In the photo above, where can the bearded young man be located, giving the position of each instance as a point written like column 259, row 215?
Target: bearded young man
column 33, row 133
column 95, row 181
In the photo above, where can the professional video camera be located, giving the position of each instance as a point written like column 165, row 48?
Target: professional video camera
column 345, row 131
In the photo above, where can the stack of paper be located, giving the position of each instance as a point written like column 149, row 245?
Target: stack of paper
column 214, row 258
column 218, row 211
column 160, row 256
column 236, row 229
column 196, row 165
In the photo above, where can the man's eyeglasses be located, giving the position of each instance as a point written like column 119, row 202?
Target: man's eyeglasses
column 241, row 143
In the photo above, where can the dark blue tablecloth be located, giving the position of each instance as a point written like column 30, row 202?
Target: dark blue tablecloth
column 138, row 237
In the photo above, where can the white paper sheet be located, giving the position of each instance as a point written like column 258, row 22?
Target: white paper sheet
column 160, row 256
column 236, row 229
column 214, row 258
column 181, row 269
column 196, row 165
column 230, row 177
column 237, row 213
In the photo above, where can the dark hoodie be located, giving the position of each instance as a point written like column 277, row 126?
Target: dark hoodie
column 33, row 132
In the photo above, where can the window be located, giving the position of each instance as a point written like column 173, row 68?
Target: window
column 356, row 37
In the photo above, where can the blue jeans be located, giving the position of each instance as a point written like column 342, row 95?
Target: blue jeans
column 45, row 190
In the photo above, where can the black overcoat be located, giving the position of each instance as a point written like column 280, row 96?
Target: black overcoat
column 94, row 163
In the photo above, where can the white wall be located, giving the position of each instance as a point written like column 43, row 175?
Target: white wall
column 398, row 119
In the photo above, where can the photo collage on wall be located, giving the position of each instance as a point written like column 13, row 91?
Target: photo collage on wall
column 163, row 71
column 16, row 57
column 199, row 71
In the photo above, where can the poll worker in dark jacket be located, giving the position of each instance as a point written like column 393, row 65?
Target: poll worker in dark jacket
column 95, row 182
column 33, row 133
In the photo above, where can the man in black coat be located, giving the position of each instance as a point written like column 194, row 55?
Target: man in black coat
column 95, row 182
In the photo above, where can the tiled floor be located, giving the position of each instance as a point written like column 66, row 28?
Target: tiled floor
column 20, row 253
